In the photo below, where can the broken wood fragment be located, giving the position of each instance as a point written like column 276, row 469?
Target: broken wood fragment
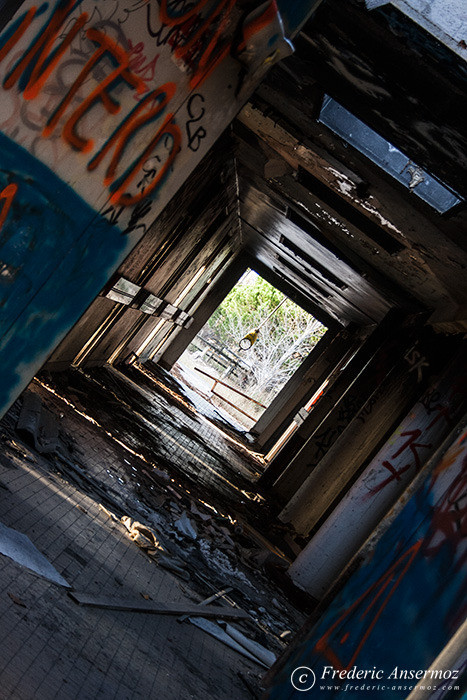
column 211, row 599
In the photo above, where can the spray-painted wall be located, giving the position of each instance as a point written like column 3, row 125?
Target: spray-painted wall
column 381, row 482
column 105, row 108
column 404, row 602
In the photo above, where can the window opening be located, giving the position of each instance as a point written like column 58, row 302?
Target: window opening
column 387, row 156
column 243, row 383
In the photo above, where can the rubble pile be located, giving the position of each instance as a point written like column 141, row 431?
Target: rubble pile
column 212, row 550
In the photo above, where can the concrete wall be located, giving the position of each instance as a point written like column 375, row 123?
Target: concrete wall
column 157, row 264
column 105, row 109
column 444, row 19
column 405, row 599
column 372, row 495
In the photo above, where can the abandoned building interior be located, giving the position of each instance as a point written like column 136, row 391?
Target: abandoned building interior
column 151, row 152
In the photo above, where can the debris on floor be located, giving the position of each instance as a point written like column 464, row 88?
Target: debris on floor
column 262, row 654
column 16, row 600
column 19, row 547
column 37, row 425
column 185, row 527
column 143, row 536
column 198, row 530
column 236, row 640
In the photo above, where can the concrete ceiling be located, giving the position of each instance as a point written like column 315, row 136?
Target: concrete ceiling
column 320, row 220
column 344, row 235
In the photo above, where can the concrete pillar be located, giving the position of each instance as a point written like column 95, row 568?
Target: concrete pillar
column 381, row 484
column 388, row 402
column 214, row 296
column 300, row 387
column 339, row 406
column 331, row 364
column 399, row 601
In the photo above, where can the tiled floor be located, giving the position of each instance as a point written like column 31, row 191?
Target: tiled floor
column 53, row 648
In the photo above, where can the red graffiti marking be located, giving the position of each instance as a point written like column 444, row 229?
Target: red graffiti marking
column 8, row 194
column 396, row 474
column 180, row 34
column 139, row 63
column 414, row 435
column 132, row 123
column 201, row 51
column 449, row 520
column 208, row 60
column 168, row 128
column 18, row 33
column 261, row 22
column 203, row 44
column 42, row 58
column 377, row 596
column 121, row 139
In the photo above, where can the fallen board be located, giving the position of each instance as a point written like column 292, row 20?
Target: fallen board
column 157, row 607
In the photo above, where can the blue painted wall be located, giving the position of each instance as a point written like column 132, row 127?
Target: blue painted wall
column 56, row 253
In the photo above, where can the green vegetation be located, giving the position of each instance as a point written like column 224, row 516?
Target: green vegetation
column 283, row 342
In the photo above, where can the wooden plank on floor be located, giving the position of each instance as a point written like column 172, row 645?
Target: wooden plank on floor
column 157, row 607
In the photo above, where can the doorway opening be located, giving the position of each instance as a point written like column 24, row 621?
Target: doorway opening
column 249, row 348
